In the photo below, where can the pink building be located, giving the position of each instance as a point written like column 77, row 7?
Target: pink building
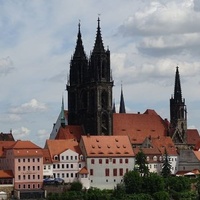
column 25, row 160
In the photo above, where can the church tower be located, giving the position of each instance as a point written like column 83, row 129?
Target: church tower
column 76, row 83
column 90, row 88
column 178, row 114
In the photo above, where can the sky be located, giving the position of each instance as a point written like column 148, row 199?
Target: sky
column 147, row 41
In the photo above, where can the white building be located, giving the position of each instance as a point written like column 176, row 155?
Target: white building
column 108, row 158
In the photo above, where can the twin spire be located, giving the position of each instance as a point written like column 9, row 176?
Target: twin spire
column 177, row 87
column 98, row 45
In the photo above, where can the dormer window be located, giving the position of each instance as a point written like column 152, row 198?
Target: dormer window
column 56, row 157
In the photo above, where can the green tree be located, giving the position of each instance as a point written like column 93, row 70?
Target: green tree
column 141, row 162
column 76, row 186
column 152, row 183
column 133, row 182
column 166, row 169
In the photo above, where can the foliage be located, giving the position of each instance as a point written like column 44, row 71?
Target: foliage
column 133, row 182
column 166, row 169
column 141, row 162
column 152, row 183
column 119, row 191
column 161, row 195
column 179, row 183
column 76, row 186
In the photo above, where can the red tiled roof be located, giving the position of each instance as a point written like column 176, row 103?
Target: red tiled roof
column 46, row 156
column 6, row 174
column 139, row 126
column 192, row 136
column 69, row 132
column 56, row 147
column 23, row 144
column 83, row 171
column 5, row 144
column 6, row 137
column 164, row 142
column 107, row 146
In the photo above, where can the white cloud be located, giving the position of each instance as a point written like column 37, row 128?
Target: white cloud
column 21, row 133
column 6, row 66
column 32, row 106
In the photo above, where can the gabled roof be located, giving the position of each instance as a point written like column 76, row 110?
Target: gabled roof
column 25, row 149
column 139, row 126
column 4, row 145
column 107, row 146
column 6, row 174
column 193, row 136
column 46, row 156
column 56, row 147
column 83, row 171
column 69, row 132
column 164, row 142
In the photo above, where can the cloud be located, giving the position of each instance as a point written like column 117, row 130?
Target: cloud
column 43, row 134
column 6, row 66
column 32, row 106
column 20, row 133
column 10, row 118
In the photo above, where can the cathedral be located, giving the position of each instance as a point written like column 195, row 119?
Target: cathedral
column 91, row 110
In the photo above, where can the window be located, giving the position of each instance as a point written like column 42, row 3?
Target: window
column 91, row 172
column 67, row 165
column 114, row 161
column 38, row 160
column 23, row 159
column 58, row 166
column 33, row 186
column 33, row 176
column 19, row 177
column 62, row 157
column 100, row 161
column 49, row 166
column 54, row 166
column 67, row 158
column 75, row 157
column 28, row 159
column 126, row 160
column 63, row 175
column 107, row 172
column 155, row 158
column 19, row 168
column 72, row 175
column 38, row 167
column 58, row 175
column 19, row 186
column 29, row 177
column 44, row 167
column 92, row 161
column 121, row 172
column 120, row 160
column 63, row 166
column 126, row 170
column 24, row 168
column 19, row 160
column 38, row 185
column 115, row 172
column 71, row 165
column 38, row 176
column 33, row 168
column 24, row 177
column 107, row 161
column 79, row 165
column 71, row 157
column 29, row 168
column 34, row 161
column 24, row 186
column 67, row 175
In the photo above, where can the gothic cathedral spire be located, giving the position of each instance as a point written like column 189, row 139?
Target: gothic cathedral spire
column 178, row 114
column 90, row 88
column 122, row 108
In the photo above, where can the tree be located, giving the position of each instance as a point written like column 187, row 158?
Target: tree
column 76, row 186
column 166, row 169
column 141, row 162
column 133, row 182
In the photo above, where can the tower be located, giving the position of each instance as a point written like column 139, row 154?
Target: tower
column 178, row 114
column 122, row 108
column 90, row 88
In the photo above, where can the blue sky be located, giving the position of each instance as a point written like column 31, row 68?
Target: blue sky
column 147, row 40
